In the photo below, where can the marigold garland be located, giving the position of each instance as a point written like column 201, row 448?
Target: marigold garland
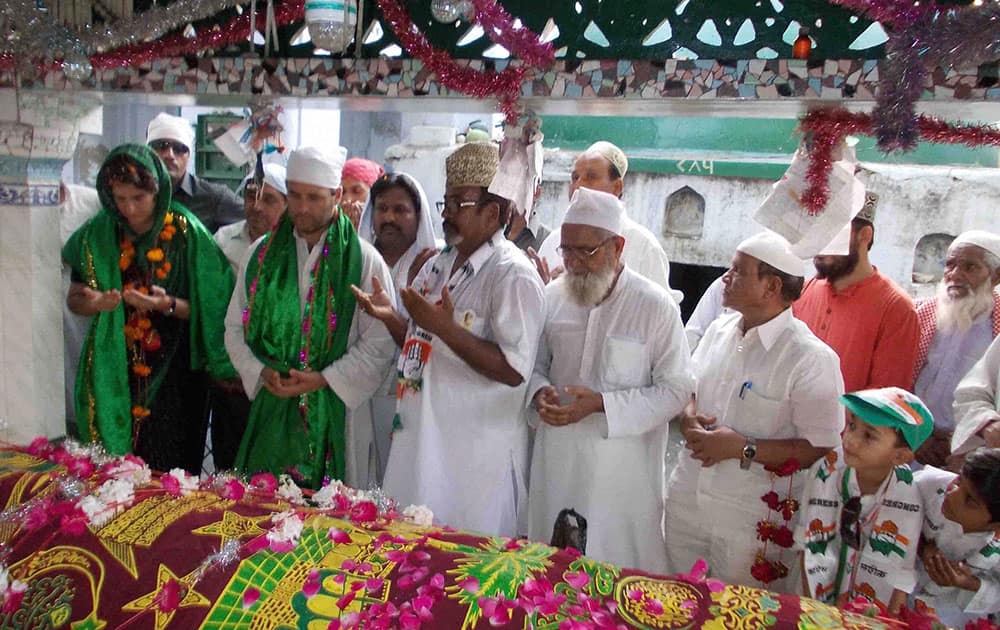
column 140, row 335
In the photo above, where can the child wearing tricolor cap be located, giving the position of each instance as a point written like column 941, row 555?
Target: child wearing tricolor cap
column 960, row 550
column 861, row 512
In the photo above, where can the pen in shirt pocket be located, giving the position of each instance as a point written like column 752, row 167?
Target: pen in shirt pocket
column 747, row 385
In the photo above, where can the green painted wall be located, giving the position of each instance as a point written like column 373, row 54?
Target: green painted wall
column 727, row 147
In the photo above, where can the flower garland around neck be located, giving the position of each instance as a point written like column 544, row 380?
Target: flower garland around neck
column 307, row 311
column 769, row 530
column 140, row 336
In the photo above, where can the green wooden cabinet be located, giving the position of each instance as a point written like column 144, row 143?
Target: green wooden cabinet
column 210, row 162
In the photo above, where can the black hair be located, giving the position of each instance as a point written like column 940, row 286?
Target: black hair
column 857, row 224
column 791, row 286
column 982, row 469
column 395, row 180
column 504, row 205
column 123, row 169
column 901, row 441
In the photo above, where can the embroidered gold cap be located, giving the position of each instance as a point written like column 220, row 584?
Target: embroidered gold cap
column 472, row 164
column 867, row 212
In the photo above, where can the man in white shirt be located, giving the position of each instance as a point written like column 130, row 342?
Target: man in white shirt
column 977, row 407
column 767, row 393
column 264, row 202
column 612, row 369
column 602, row 167
column 309, row 358
column 956, row 327
column 476, row 313
column 399, row 222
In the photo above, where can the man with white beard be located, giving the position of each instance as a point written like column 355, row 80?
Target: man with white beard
column 612, row 369
column 956, row 327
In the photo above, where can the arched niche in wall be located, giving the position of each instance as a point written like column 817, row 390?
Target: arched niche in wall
column 929, row 256
column 684, row 213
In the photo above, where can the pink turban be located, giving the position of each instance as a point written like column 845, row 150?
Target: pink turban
column 364, row 171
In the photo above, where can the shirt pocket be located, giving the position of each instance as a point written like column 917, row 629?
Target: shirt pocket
column 757, row 416
column 625, row 362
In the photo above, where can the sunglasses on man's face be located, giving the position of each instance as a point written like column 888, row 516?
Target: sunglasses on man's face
column 850, row 527
column 161, row 146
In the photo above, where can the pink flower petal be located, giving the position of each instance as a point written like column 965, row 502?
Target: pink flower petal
column 310, row 588
column 577, row 579
column 339, row 578
column 250, row 597
column 349, row 620
column 653, row 607
column 469, row 585
column 281, row 546
column 374, row 585
column 634, row 594
column 437, row 581
column 715, row 586
column 338, row 536
column 346, row 600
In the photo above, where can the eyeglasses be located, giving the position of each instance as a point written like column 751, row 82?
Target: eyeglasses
column 453, row 205
column 583, row 253
column 850, row 530
column 162, row 145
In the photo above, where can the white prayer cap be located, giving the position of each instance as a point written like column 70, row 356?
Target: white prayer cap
column 980, row 238
column 596, row 209
column 316, row 166
column 167, row 127
column 772, row 248
column 274, row 176
column 611, row 153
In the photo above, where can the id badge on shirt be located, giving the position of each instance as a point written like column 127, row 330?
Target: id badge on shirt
column 412, row 361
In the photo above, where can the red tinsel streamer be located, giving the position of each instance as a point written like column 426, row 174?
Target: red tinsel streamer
column 521, row 42
column 897, row 13
column 830, row 126
column 177, row 45
column 505, row 85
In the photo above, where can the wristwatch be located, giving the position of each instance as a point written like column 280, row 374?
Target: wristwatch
column 173, row 307
column 748, row 454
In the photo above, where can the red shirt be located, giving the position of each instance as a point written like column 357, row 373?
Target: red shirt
column 871, row 325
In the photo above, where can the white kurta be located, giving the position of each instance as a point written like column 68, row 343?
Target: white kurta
column 643, row 254
column 234, row 240
column 609, row 467
column 384, row 400
column 976, row 403
column 794, row 384
column 462, row 448
column 707, row 311
column 354, row 377
column 980, row 551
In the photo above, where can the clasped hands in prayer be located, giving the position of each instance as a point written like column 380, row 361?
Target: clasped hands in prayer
column 552, row 411
column 708, row 442
column 157, row 299
column 296, row 383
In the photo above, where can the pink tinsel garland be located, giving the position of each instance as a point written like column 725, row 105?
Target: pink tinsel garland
column 505, row 85
column 829, row 126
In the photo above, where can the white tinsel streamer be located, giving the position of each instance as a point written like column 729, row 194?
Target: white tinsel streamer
column 31, row 29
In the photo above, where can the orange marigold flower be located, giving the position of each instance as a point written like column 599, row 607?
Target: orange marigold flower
column 142, row 370
column 139, row 412
column 124, row 262
column 144, row 290
column 166, row 266
column 132, row 333
column 168, row 218
column 161, row 273
column 145, row 323
column 155, row 255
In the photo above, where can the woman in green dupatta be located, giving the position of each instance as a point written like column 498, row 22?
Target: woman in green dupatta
column 157, row 287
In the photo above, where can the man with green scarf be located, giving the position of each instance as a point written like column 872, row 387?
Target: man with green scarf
column 308, row 358
column 155, row 284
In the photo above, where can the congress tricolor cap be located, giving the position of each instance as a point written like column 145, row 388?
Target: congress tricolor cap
column 893, row 407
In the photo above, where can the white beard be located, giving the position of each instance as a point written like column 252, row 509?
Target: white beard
column 960, row 313
column 589, row 289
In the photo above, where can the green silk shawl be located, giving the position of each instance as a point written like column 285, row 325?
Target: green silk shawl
column 302, row 435
column 199, row 273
